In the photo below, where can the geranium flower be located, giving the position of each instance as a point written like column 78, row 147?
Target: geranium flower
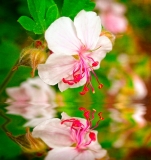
column 33, row 100
column 78, row 47
column 71, row 138
column 112, row 15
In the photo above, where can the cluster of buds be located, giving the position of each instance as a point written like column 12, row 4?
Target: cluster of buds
column 33, row 55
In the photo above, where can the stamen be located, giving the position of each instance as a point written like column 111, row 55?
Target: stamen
column 86, row 112
column 77, row 78
column 93, row 112
column 92, row 136
column 67, row 81
column 100, row 86
column 68, row 120
column 94, row 64
column 76, row 123
column 100, row 116
column 83, row 93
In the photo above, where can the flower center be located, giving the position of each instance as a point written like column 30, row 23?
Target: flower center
column 83, row 69
column 80, row 131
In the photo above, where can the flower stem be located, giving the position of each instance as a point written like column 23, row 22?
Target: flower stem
column 8, row 120
column 7, row 79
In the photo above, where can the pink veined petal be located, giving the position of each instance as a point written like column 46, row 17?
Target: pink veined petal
column 85, row 155
column 53, row 133
column 61, row 37
column 56, row 68
column 88, row 27
column 63, row 86
column 96, row 148
column 64, row 153
column 105, row 46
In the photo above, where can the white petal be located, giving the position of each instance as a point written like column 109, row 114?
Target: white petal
column 88, row 27
column 61, row 37
column 66, row 153
column 56, row 68
column 104, row 45
column 53, row 133
column 85, row 155
column 96, row 148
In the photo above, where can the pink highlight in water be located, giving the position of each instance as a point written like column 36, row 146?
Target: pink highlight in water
column 79, row 131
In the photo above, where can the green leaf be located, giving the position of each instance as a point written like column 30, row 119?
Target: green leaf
column 76, row 6
column 27, row 23
column 43, row 12
column 52, row 14
column 49, row 3
column 37, row 10
column 33, row 6
column 38, row 29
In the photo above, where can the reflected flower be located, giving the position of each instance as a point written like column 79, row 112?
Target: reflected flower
column 137, row 90
column 33, row 100
column 112, row 15
column 71, row 138
column 129, row 115
column 140, row 111
column 78, row 47
column 140, row 88
column 33, row 90
column 128, row 82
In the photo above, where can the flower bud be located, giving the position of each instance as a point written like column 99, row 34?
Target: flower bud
column 32, row 56
column 28, row 143
column 109, row 35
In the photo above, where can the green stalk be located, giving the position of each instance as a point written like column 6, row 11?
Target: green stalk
column 8, row 78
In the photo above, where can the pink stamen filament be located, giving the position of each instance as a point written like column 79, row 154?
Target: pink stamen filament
column 95, row 63
column 100, row 84
column 100, row 118
column 88, row 143
column 93, row 112
column 82, row 69
column 92, row 137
